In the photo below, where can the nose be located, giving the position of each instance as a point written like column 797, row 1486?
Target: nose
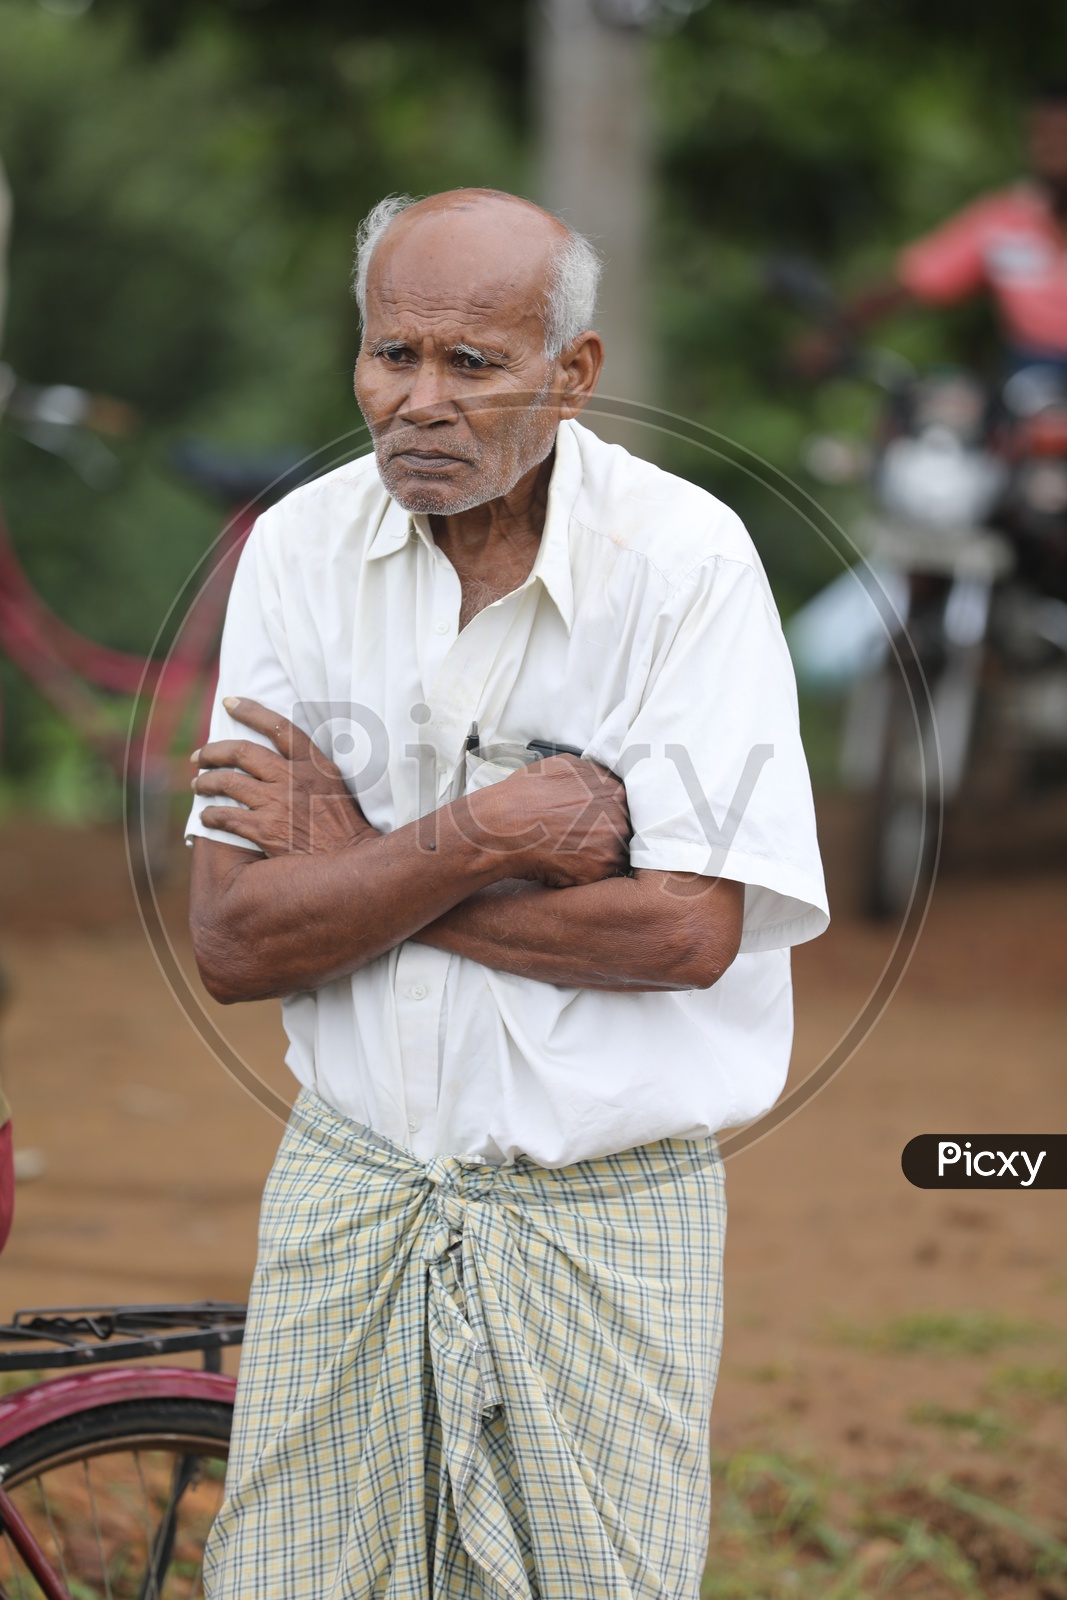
column 428, row 400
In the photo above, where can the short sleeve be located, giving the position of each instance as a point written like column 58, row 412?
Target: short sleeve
column 948, row 264
column 715, row 772
column 250, row 668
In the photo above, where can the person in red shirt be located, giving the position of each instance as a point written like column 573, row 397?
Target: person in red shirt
column 1011, row 244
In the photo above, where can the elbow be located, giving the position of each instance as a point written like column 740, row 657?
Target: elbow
column 702, row 967
column 221, row 960
column 703, row 952
column 223, row 992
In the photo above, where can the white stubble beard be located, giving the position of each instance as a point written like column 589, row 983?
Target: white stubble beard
column 428, row 502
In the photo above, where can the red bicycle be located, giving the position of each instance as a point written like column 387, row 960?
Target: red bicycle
column 78, row 676
column 111, row 1477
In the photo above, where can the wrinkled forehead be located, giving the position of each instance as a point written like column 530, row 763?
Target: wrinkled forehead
column 476, row 265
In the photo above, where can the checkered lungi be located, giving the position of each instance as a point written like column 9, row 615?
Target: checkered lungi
column 466, row 1382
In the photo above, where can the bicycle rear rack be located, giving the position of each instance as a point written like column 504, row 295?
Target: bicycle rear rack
column 79, row 1336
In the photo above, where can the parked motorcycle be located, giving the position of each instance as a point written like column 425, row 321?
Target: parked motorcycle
column 965, row 616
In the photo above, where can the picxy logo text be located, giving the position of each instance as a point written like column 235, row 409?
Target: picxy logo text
column 986, row 1161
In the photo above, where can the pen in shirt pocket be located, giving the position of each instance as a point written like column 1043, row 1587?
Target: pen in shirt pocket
column 542, row 748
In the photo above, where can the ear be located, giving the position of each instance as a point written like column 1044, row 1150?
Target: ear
column 581, row 363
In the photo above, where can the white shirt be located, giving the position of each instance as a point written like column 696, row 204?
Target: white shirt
column 645, row 636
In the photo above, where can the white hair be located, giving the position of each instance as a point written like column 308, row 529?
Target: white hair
column 570, row 301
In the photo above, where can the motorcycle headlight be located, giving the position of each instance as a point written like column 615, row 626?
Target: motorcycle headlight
column 935, row 479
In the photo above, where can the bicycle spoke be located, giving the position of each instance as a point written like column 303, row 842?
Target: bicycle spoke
column 185, row 1469
column 52, row 1530
column 147, row 1528
column 96, row 1530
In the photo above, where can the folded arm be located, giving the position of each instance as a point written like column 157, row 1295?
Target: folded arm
column 323, row 892
column 655, row 930
column 522, row 877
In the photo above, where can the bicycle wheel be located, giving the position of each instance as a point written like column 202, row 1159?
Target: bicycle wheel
column 120, row 1498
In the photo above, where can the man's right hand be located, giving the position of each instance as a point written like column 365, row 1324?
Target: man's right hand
column 563, row 822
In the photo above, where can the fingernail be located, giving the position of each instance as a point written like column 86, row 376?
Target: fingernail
column 231, row 702
column 195, row 756
column 192, row 784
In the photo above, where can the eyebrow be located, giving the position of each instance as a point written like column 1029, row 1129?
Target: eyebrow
column 480, row 352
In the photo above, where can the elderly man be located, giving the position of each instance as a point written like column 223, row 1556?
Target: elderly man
column 505, row 797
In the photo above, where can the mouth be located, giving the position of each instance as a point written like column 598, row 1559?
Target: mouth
column 427, row 461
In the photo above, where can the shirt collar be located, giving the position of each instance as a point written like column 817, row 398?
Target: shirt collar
column 552, row 565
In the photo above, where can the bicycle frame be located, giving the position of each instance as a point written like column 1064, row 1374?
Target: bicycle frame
column 67, row 668
column 13, row 1525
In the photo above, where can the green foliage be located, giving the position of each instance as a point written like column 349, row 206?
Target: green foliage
column 57, row 775
column 836, row 132
column 188, row 176
column 183, row 233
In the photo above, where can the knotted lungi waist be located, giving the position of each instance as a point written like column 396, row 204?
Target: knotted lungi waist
column 465, row 1382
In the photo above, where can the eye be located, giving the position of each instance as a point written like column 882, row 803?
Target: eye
column 472, row 361
column 394, row 354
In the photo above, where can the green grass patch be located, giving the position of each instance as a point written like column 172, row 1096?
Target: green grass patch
column 769, row 1372
column 943, row 1333
column 773, row 1535
column 786, row 1530
column 985, row 1427
column 1040, row 1383
column 12, row 1382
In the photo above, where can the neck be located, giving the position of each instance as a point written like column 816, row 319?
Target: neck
column 515, row 517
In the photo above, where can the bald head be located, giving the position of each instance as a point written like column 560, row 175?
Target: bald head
column 492, row 243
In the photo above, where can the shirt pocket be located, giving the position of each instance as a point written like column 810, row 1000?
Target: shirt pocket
column 495, row 763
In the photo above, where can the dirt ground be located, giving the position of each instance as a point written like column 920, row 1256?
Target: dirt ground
column 870, row 1326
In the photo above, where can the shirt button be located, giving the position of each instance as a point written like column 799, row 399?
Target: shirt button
column 417, row 991
column 443, row 627
column 413, row 1126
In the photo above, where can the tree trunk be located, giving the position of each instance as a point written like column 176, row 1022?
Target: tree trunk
column 595, row 172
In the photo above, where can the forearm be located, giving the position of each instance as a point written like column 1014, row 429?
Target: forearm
column 326, row 893
column 264, row 927
column 648, row 932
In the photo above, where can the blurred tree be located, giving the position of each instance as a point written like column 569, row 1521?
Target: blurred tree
column 183, row 227
column 279, row 31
